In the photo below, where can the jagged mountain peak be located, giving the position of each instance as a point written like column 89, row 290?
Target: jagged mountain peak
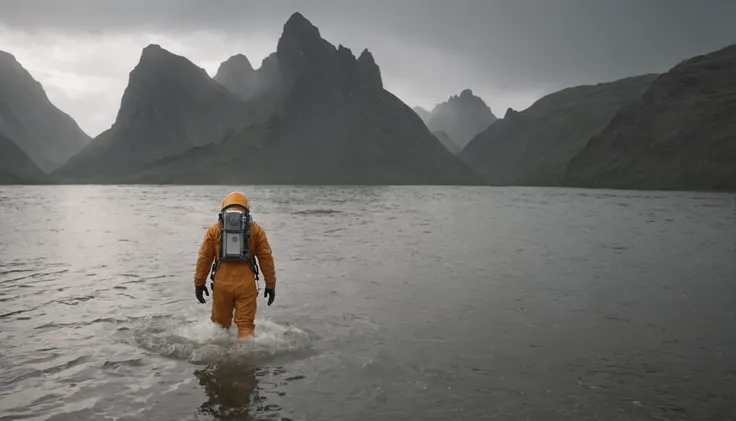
column 169, row 106
column 370, row 71
column 297, row 23
column 366, row 56
column 237, row 62
column 323, row 118
column 461, row 117
column 311, row 63
column 466, row 97
column 238, row 76
column 155, row 56
column 300, row 37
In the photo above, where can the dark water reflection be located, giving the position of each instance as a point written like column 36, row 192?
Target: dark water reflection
column 232, row 391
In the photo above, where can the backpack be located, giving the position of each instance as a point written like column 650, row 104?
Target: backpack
column 235, row 239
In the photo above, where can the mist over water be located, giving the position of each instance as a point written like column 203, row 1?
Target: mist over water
column 400, row 303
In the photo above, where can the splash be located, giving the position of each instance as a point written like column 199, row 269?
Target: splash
column 202, row 341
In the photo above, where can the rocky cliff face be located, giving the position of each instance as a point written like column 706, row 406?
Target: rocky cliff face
column 461, row 117
column 15, row 166
column 238, row 76
column 533, row 147
column 329, row 122
column 169, row 106
column 681, row 134
column 27, row 117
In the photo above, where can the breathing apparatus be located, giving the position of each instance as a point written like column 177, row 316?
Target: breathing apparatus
column 235, row 222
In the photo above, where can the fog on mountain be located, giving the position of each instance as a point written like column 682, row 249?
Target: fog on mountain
column 460, row 118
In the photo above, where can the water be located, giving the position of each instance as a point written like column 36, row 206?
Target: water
column 392, row 303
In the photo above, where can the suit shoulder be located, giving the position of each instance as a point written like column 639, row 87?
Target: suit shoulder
column 213, row 230
column 256, row 228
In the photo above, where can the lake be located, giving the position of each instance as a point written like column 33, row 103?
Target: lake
column 395, row 303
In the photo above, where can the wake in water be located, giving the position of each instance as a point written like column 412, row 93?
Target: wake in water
column 204, row 342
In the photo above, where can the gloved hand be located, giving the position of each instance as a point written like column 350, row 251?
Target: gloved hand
column 198, row 292
column 270, row 293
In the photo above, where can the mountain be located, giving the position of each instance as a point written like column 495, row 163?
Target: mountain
column 169, row 106
column 423, row 114
column 329, row 121
column 533, row 147
column 681, row 134
column 441, row 135
column 15, row 166
column 45, row 133
column 238, row 76
column 447, row 142
column 460, row 117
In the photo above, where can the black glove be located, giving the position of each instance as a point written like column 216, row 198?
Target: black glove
column 198, row 292
column 270, row 293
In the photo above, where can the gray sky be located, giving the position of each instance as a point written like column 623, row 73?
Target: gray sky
column 510, row 52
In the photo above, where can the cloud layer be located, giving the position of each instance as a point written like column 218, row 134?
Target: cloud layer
column 510, row 52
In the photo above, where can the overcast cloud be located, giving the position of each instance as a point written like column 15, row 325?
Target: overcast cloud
column 509, row 52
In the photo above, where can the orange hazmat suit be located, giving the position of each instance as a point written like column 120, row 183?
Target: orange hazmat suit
column 234, row 282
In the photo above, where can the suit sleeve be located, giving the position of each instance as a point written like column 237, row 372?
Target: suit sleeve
column 206, row 257
column 265, row 258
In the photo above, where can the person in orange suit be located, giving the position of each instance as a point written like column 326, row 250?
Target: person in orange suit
column 236, row 280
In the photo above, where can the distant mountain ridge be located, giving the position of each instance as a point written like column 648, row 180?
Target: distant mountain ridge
column 314, row 113
column 46, row 134
column 681, row 134
column 169, row 106
column 329, row 121
column 533, row 147
column 461, row 117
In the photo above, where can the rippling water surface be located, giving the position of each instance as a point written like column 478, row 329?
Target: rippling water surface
column 392, row 303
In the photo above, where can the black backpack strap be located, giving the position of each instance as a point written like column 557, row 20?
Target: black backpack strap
column 254, row 267
column 215, row 266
